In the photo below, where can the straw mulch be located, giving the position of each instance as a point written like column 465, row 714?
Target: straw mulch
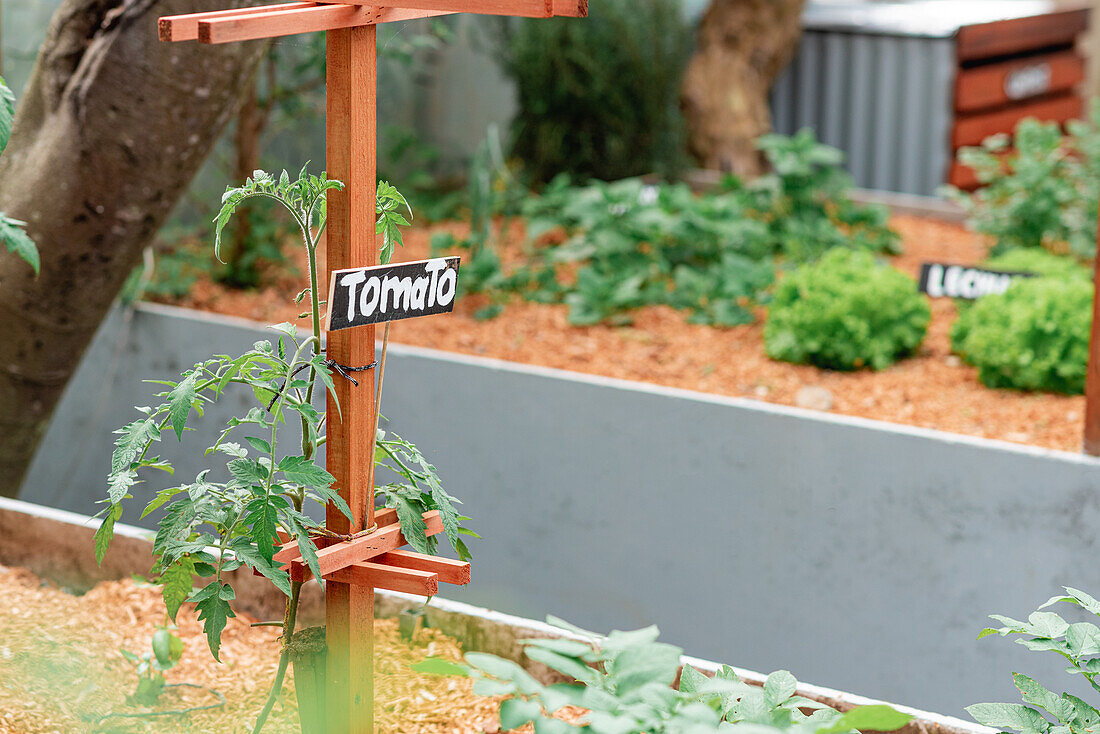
column 61, row 670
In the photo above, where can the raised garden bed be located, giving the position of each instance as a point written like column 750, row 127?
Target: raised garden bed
column 860, row 505
column 60, row 669
column 933, row 389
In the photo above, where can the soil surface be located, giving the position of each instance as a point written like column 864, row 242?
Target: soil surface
column 61, row 671
column 932, row 389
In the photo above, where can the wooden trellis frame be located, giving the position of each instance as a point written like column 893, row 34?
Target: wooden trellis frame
column 353, row 569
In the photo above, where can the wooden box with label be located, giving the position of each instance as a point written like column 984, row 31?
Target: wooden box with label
column 900, row 86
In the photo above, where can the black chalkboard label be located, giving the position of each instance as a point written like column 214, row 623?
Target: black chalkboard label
column 375, row 295
column 943, row 280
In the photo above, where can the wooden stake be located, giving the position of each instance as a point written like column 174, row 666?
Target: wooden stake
column 351, row 242
column 1092, row 377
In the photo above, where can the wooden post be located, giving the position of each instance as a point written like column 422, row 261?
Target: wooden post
column 1092, row 378
column 352, row 124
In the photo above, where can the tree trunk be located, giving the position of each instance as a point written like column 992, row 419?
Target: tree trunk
column 743, row 45
column 112, row 127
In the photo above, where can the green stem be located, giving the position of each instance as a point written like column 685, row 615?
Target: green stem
column 291, row 614
column 289, row 619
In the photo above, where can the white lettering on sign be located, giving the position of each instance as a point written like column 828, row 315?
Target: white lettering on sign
column 959, row 281
column 1028, row 81
column 363, row 296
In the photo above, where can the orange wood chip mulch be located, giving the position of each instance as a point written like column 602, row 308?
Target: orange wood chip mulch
column 61, row 669
column 932, row 389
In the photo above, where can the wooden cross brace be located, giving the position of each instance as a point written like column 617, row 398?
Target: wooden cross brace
column 375, row 560
column 286, row 19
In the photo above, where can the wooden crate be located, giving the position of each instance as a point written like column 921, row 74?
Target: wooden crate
column 1012, row 69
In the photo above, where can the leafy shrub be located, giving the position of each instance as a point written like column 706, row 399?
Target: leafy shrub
column 1034, row 336
column 626, row 682
column 1039, row 262
column 845, row 312
column 1077, row 643
column 1044, row 192
column 599, row 98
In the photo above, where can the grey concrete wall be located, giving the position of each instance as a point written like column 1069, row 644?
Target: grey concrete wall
column 857, row 554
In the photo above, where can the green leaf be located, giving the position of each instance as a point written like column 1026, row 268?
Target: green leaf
column 132, row 440
column 441, row 666
column 176, row 584
column 248, row 471
column 262, row 519
column 569, row 648
column 1009, row 716
column 308, row 550
column 19, row 242
column 413, row 526
column 162, row 496
column 106, row 532
column 7, row 113
column 569, row 666
column 300, row 470
column 1046, row 624
column 1035, row 694
column 515, row 712
column 253, row 558
column 505, row 670
column 259, row 444
column 180, row 399
column 1086, row 717
column 780, row 686
column 873, row 718
column 691, row 680
column 119, row 484
column 212, row 603
column 447, row 513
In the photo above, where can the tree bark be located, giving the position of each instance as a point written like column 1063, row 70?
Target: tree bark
column 743, row 45
column 111, row 130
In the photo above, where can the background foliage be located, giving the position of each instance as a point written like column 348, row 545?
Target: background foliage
column 1043, row 711
column 599, row 99
column 1042, row 191
column 629, row 244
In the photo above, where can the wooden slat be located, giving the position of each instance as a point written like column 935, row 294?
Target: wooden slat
column 1000, row 38
column 289, row 22
column 342, row 555
column 1091, row 443
column 379, row 576
column 289, row 551
column 523, row 8
column 186, row 27
column 449, row 571
column 963, row 177
column 973, row 129
column 985, row 86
